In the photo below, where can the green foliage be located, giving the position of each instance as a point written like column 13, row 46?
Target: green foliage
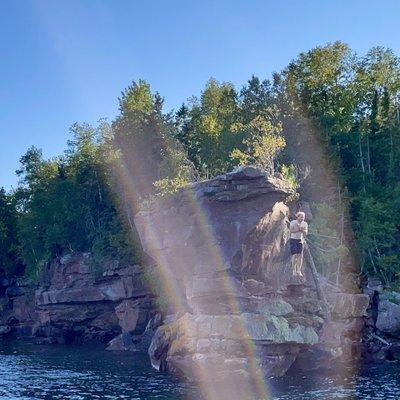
column 137, row 97
column 289, row 173
column 354, row 104
column 9, row 244
column 168, row 186
column 393, row 298
column 326, row 240
column 147, row 142
column 328, row 98
column 261, row 144
column 377, row 230
column 225, row 128
column 65, row 204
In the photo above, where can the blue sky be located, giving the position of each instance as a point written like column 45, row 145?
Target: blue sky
column 66, row 61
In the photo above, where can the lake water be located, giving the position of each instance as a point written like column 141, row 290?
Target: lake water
column 31, row 371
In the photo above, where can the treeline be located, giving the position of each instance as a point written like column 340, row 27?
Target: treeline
column 329, row 123
column 353, row 104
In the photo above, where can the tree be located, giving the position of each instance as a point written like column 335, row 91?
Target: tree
column 66, row 204
column 224, row 129
column 147, row 142
column 262, row 143
column 138, row 97
column 10, row 262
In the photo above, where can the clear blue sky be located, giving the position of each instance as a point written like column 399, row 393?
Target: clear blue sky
column 64, row 61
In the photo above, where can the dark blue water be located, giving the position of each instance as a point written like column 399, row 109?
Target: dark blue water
column 31, row 371
column 374, row 381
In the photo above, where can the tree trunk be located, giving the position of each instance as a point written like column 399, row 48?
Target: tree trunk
column 341, row 236
column 368, row 156
column 361, row 160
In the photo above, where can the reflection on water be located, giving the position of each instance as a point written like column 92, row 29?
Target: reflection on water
column 30, row 371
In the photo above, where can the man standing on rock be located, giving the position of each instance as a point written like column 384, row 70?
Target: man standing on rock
column 298, row 231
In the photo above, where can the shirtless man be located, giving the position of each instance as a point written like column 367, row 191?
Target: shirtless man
column 298, row 231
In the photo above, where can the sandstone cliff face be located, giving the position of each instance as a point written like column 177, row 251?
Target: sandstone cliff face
column 221, row 247
column 17, row 311
column 74, row 306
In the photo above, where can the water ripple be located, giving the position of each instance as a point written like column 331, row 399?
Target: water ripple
column 33, row 372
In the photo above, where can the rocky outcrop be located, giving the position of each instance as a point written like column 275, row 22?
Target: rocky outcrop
column 388, row 319
column 340, row 338
column 77, row 306
column 18, row 313
column 74, row 305
column 222, row 252
column 382, row 332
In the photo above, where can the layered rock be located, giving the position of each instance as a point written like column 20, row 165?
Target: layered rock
column 340, row 338
column 18, row 314
column 382, row 332
column 77, row 306
column 388, row 318
column 221, row 247
column 74, row 304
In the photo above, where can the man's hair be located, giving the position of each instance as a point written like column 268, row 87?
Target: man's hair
column 301, row 213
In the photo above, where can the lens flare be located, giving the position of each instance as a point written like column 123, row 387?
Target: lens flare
column 161, row 235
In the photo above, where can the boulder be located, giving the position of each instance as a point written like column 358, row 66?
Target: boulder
column 128, row 315
column 106, row 321
column 247, row 326
column 24, row 309
column 348, row 305
column 122, row 342
column 388, row 320
column 159, row 346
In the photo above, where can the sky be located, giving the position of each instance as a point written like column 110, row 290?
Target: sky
column 66, row 61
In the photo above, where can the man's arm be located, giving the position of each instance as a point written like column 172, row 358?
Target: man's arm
column 304, row 229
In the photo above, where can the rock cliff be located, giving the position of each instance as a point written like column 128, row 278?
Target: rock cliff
column 221, row 247
column 233, row 310
column 73, row 305
column 382, row 325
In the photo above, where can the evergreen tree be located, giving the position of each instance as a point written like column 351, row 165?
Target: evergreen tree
column 10, row 262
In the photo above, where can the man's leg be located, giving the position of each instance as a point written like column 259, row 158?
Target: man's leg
column 294, row 264
column 300, row 263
